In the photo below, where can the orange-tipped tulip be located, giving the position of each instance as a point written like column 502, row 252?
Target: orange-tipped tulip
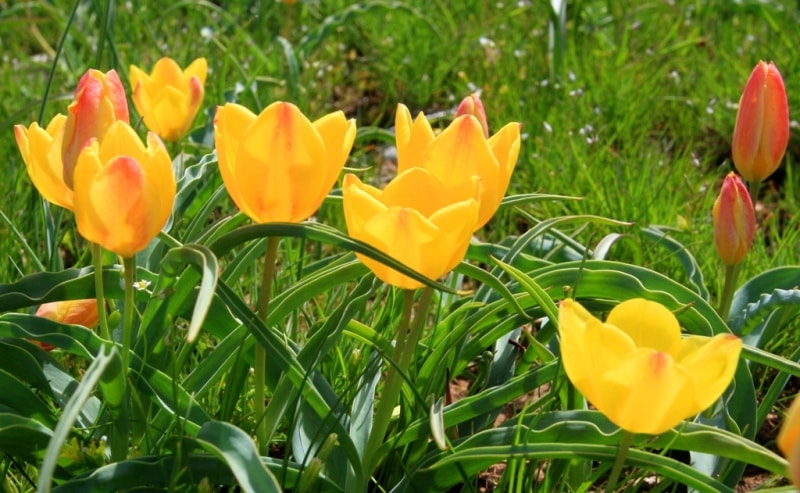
column 169, row 98
column 124, row 190
column 472, row 105
column 99, row 101
column 41, row 151
column 789, row 441
column 460, row 153
column 279, row 166
column 762, row 124
column 734, row 220
column 416, row 219
column 73, row 312
column 637, row 370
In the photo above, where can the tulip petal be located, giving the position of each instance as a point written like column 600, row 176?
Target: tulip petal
column 505, row 146
column 710, row 364
column 649, row 324
column 789, row 434
column 412, row 137
column 278, row 166
column 461, row 152
column 41, row 152
column 230, row 123
column 338, row 134
column 199, row 69
column 638, row 393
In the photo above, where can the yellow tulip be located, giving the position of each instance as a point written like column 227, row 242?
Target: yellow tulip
column 416, row 219
column 762, row 124
column 41, row 151
column 789, row 441
column 99, row 101
column 169, row 98
column 279, row 166
column 637, row 370
column 460, row 153
column 124, row 190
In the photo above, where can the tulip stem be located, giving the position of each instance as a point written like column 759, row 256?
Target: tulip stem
column 622, row 452
column 99, row 293
column 731, row 276
column 260, row 359
column 408, row 335
column 129, row 266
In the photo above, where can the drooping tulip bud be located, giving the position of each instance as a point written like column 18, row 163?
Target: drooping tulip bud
column 762, row 124
column 73, row 312
column 99, row 101
column 472, row 105
column 734, row 220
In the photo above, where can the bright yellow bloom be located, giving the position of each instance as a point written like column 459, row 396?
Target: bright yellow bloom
column 734, row 220
column 762, row 124
column 169, row 98
column 637, row 370
column 41, row 151
column 124, row 190
column 416, row 219
column 278, row 166
column 99, row 101
column 789, row 441
column 460, row 153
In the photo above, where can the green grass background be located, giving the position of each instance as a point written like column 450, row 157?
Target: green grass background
column 634, row 117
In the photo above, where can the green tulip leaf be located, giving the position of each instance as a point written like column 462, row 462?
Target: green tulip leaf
column 238, row 451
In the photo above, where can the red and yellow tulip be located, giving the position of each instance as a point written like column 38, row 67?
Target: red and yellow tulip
column 124, row 190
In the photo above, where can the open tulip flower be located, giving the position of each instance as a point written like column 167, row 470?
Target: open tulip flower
column 637, row 370
column 279, row 166
column 99, row 101
column 789, row 441
column 459, row 153
column 762, row 124
column 169, row 98
column 41, row 151
column 416, row 219
column 124, row 190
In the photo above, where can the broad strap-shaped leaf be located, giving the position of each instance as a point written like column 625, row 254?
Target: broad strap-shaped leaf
column 238, row 451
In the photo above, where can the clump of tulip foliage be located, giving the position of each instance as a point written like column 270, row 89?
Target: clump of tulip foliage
column 332, row 370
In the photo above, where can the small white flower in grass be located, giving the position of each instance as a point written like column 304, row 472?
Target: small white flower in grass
column 141, row 285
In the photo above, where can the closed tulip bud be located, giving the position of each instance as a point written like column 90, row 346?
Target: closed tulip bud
column 459, row 154
column 636, row 368
column 72, row 312
column 169, row 98
column 789, row 441
column 472, row 105
column 734, row 220
column 41, row 151
column 416, row 219
column 279, row 166
column 99, row 101
column 124, row 190
column 762, row 124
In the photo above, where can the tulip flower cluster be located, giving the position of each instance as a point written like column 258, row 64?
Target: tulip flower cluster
column 83, row 160
column 447, row 187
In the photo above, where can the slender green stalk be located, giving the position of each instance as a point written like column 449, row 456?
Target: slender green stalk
column 99, row 293
column 731, row 276
column 129, row 264
column 622, row 452
column 408, row 335
column 260, row 360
